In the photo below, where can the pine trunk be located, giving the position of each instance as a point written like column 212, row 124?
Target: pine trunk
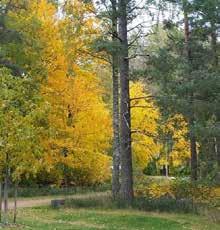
column 115, row 92
column 116, row 141
column 193, row 150
column 126, row 190
column 215, row 66
column 214, row 45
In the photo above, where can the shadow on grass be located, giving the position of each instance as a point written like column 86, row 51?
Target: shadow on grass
column 163, row 204
column 105, row 201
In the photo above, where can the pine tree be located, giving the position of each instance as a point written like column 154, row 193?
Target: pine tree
column 115, row 93
column 126, row 191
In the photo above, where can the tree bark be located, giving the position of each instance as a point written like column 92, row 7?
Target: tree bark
column 6, row 181
column 6, row 197
column 215, row 66
column 167, row 160
column 126, row 190
column 115, row 92
column 0, row 202
column 217, row 149
column 15, row 202
column 214, row 45
column 193, row 149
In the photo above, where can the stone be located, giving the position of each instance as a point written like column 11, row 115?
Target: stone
column 57, row 203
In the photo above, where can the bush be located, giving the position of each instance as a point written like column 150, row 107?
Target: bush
column 165, row 204
column 154, row 190
column 153, row 187
column 178, row 189
column 92, row 201
column 197, row 192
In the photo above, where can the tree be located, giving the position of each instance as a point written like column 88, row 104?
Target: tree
column 105, row 48
column 9, row 37
column 209, row 22
column 51, row 54
column 126, row 191
column 115, row 93
column 185, row 76
column 80, row 139
column 191, row 114
column 144, row 119
column 22, row 126
column 175, row 151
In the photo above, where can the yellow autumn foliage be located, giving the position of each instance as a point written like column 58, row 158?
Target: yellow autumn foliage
column 57, row 47
column 179, row 155
column 144, row 123
column 80, row 123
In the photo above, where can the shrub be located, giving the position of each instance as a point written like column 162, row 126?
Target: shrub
column 155, row 190
column 91, row 201
column 164, row 204
column 197, row 192
column 154, row 187
column 178, row 189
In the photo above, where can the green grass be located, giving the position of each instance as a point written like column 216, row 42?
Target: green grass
column 93, row 211
column 45, row 218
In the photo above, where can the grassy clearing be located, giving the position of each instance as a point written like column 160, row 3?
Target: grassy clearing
column 96, row 210
column 45, row 218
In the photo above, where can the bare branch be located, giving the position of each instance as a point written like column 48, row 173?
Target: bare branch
column 135, row 27
column 144, row 97
column 143, row 132
column 138, row 55
column 135, row 39
column 126, row 121
column 141, row 106
column 17, row 71
column 96, row 56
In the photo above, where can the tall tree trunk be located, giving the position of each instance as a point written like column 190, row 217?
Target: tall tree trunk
column 0, row 201
column 193, row 149
column 126, row 190
column 217, row 151
column 215, row 66
column 6, row 184
column 15, row 202
column 6, row 196
column 167, row 159
column 115, row 92
column 214, row 45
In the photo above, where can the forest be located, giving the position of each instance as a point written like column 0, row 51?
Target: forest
column 110, row 105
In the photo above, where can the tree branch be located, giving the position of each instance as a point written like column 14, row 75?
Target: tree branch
column 143, row 132
column 141, row 106
column 143, row 97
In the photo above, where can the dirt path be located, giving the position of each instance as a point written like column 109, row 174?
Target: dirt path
column 31, row 203
column 44, row 201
